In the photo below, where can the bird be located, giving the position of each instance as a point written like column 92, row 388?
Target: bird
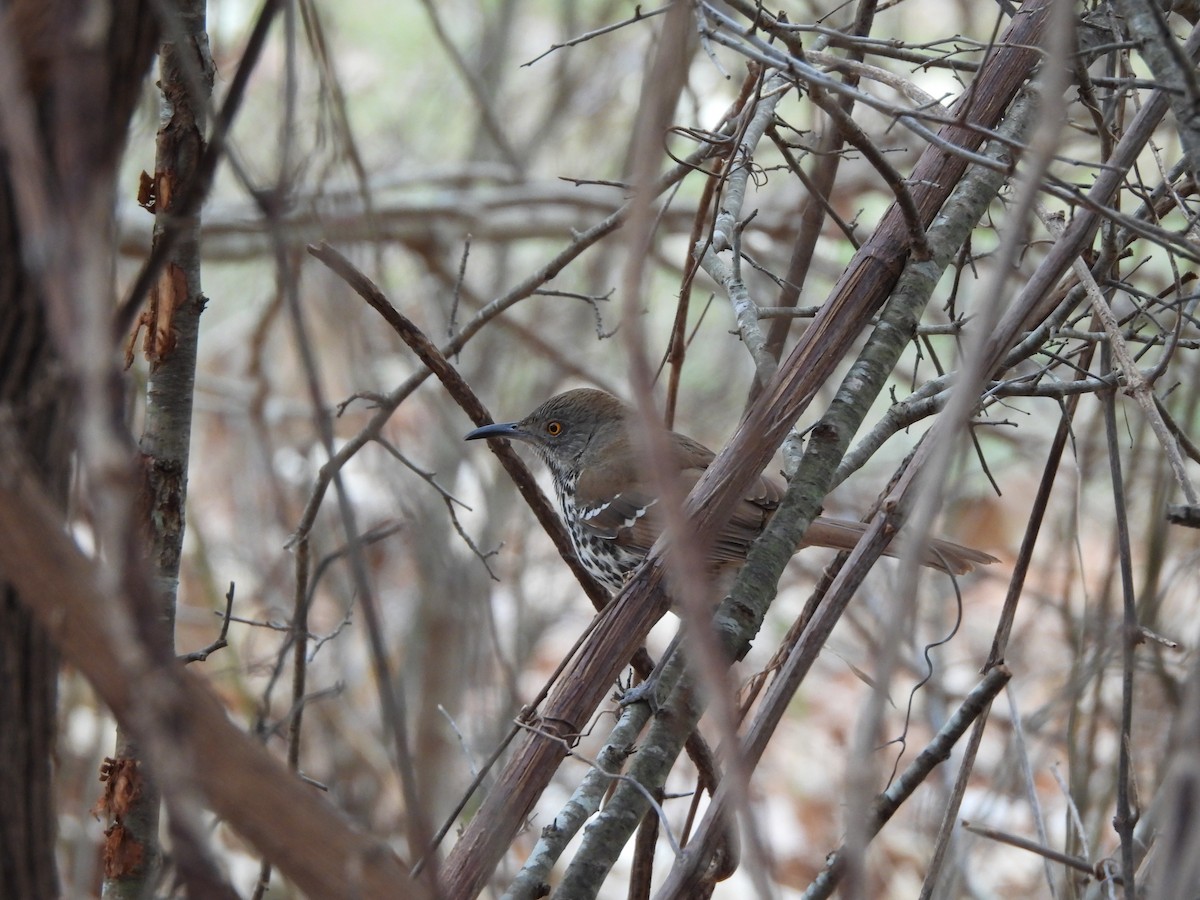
column 587, row 439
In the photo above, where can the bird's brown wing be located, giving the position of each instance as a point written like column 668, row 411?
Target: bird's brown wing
column 747, row 519
column 615, row 504
column 621, row 506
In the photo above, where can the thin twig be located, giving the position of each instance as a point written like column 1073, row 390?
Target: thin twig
column 220, row 643
column 1135, row 385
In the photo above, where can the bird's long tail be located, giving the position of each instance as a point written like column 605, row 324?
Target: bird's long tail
column 843, row 534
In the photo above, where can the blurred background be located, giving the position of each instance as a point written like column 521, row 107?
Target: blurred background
column 453, row 150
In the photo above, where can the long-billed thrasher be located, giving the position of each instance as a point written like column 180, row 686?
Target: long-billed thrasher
column 585, row 436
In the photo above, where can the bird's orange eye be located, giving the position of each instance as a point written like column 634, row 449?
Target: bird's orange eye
column 554, row 429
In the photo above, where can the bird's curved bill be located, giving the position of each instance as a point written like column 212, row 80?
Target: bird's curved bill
column 499, row 429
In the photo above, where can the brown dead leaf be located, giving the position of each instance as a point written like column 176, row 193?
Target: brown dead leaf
column 122, row 785
column 167, row 295
column 122, row 853
column 146, row 195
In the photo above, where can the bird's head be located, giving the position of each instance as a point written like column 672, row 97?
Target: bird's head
column 566, row 426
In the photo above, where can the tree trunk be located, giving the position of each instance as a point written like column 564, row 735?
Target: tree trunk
column 170, row 339
column 32, row 407
column 56, row 137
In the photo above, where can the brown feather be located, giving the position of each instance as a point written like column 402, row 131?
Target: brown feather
column 843, row 534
